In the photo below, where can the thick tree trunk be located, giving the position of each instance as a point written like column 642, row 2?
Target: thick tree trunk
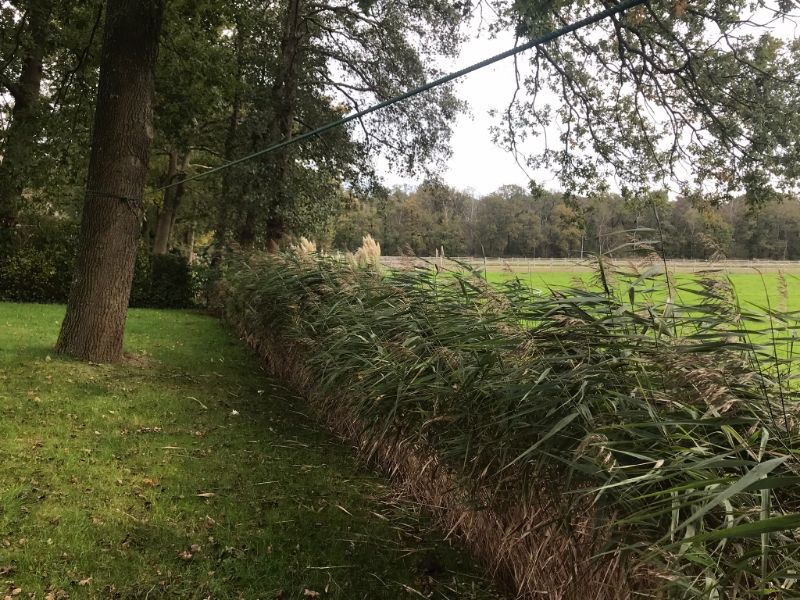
column 246, row 233
column 190, row 258
column 24, row 126
column 170, row 204
column 94, row 325
column 284, row 102
column 166, row 221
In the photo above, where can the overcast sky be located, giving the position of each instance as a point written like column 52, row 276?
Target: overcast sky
column 478, row 164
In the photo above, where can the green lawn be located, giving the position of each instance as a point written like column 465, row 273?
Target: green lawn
column 752, row 288
column 188, row 473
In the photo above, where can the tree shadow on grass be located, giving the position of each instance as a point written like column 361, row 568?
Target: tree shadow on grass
column 190, row 474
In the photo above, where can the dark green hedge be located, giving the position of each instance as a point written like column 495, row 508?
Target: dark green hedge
column 36, row 266
column 169, row 284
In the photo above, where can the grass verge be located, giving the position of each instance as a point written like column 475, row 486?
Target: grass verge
column 187, row 473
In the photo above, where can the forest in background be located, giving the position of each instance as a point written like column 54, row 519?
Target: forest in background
column 517, row 223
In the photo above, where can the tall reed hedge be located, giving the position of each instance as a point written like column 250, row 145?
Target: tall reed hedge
column 658, row 423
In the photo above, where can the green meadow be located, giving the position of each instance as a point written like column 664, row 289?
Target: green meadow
column 761, row 290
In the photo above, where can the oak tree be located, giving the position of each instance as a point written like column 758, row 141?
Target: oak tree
column 110, row 227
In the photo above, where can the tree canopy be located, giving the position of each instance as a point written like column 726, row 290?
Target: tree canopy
column 699, row 98
column 695, row 95
column 231, row 77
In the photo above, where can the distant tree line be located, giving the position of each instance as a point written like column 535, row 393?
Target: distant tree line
column 515, row 222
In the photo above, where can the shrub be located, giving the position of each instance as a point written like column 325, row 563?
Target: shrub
column 167, row 283
column 37, row 266
column 142, row 278
column 661, row 437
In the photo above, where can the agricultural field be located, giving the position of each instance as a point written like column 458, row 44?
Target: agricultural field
column 761, row 290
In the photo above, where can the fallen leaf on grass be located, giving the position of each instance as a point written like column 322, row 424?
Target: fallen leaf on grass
column 344, row 510
column 149, row 430
column 85, row 582
column 185, row 555
column 307, row 593
column 206, row 495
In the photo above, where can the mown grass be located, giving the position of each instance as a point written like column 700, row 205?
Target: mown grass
column 752, row 289
column 187, row 473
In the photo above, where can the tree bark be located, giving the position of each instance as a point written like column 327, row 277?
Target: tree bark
column 283, row 101
column 161, row 237
column 190, row 257
column 223, row 208
column 170, row 204
column 94, row 325
column 24, row 126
